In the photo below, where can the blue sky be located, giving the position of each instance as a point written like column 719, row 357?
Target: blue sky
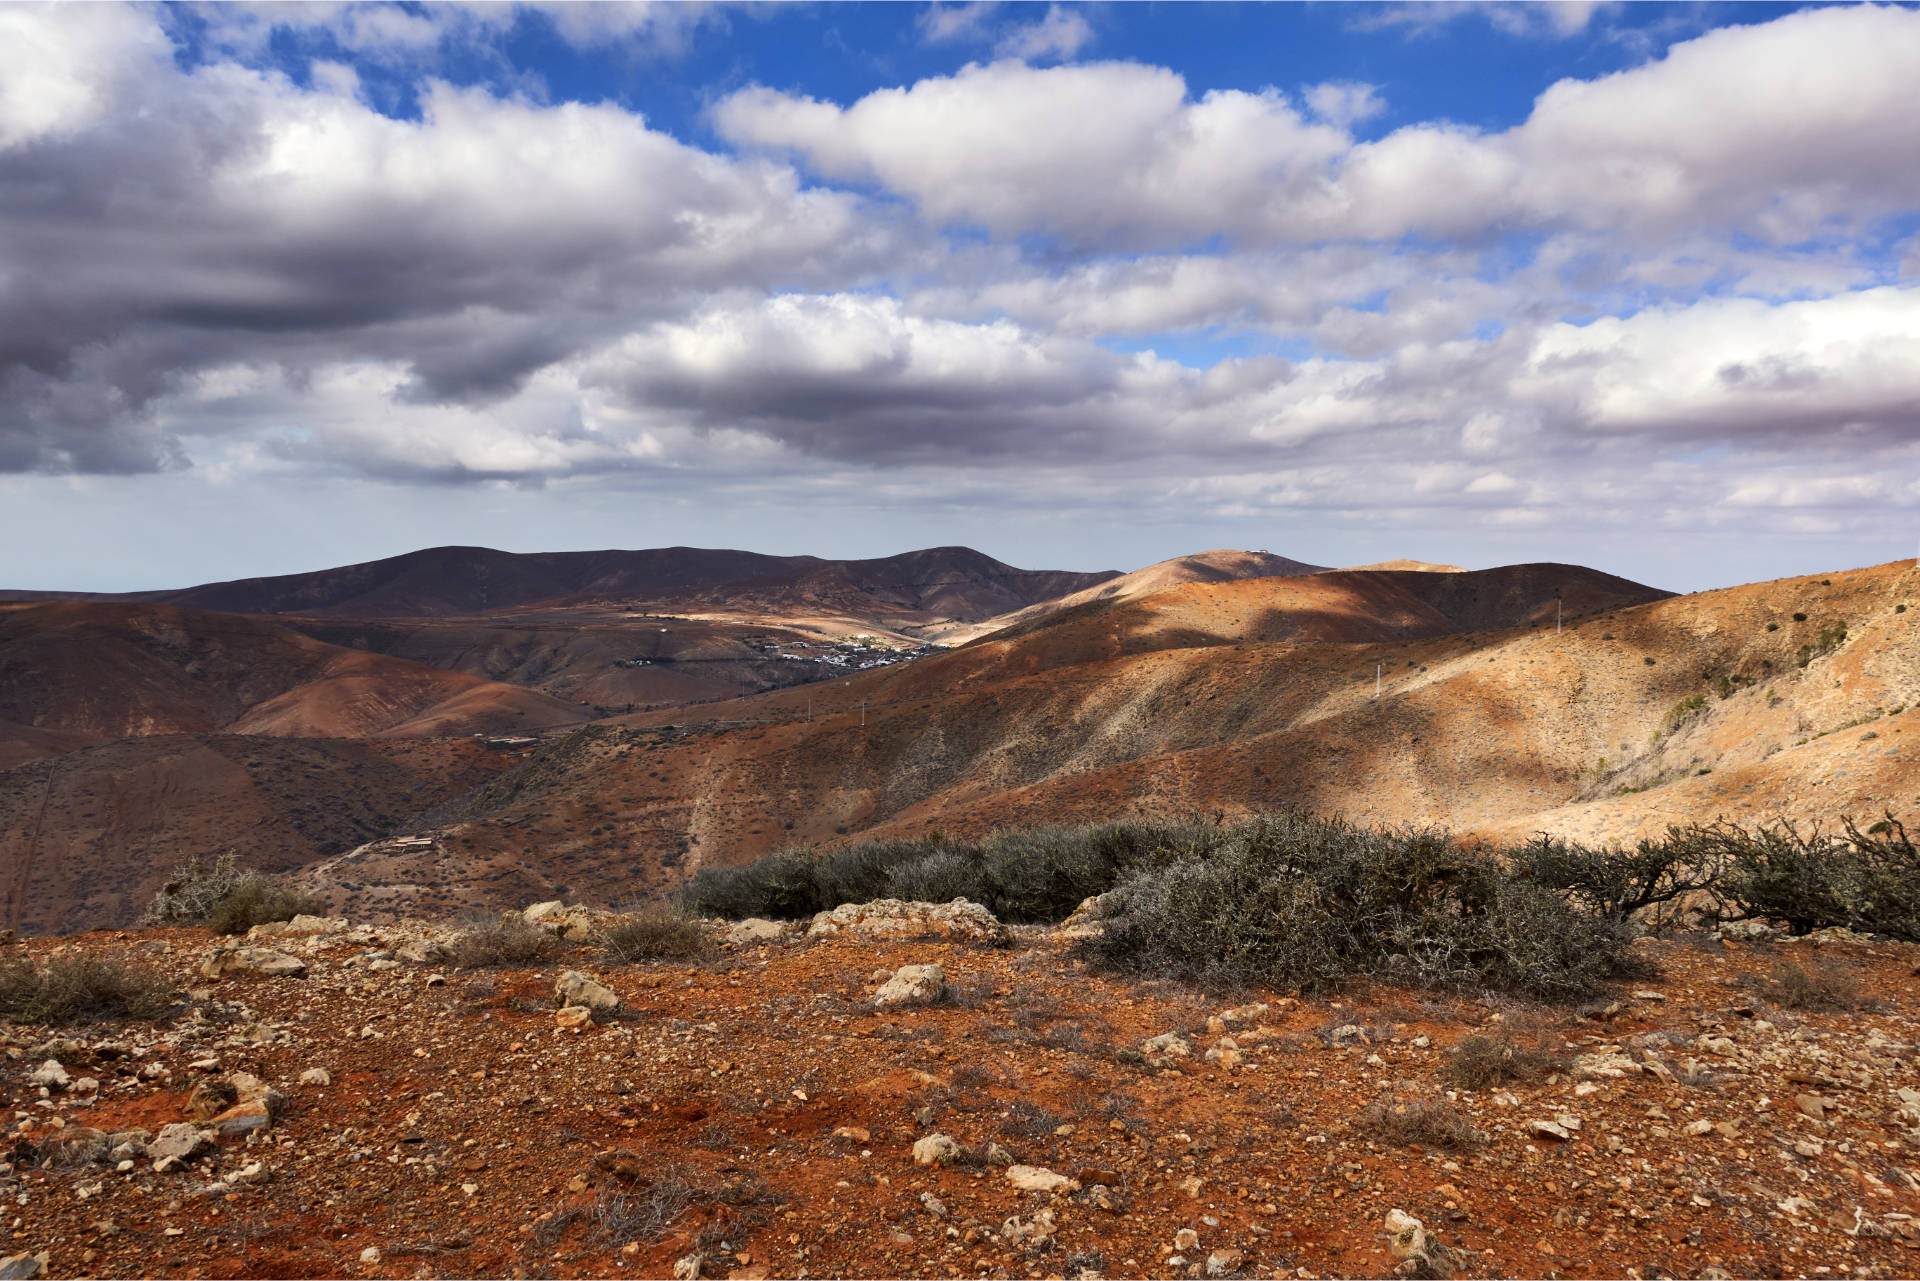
column 1084, row 286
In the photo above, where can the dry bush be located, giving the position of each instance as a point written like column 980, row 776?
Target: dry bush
column 1499, row 1058
column 73, row 988
column 1817, row 987
column 654, row 933
column 1293, row 901
column 507, row 941
column 1427, row 1120
column 226, row 898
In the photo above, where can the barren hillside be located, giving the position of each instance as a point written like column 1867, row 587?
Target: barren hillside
column 80, row 673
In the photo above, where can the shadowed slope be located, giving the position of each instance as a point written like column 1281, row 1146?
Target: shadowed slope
column 81, row 672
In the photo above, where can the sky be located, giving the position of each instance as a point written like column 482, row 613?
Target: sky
column 285, row 286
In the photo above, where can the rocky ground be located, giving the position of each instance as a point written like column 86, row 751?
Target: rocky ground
column 345, row 1102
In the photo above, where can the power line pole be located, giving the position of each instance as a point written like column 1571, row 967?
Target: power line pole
column 1377, row 667
column 863, row 713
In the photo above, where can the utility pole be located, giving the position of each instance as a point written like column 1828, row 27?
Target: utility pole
column 863, row 713
column 1377, row 667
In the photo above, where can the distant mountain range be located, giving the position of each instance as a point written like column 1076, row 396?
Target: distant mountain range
column 951, row 583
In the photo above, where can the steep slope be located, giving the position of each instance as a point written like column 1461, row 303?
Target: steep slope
column 1201, row 567
column 622, row 663
column 84, row 672
column 91, row 834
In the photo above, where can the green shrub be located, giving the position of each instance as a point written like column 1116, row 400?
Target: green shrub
column 1037, row 874
column 1864, row 881
column 1298, row 902
column 654, row 933
column 505, row 941
column 73, row 988
column 780, row 885
column 1679, row 712
column 256, row 900
column 1616, row 883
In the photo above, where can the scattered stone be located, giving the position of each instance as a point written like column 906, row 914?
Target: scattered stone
column 316, row 1076
column 571, row 1018
column 210, row 1098
column 370, row 1255
column 689, row 1267
column 1033, row 1232
column 1224, row 1263
column 933, row 1205
column 621, row 1163
column 892, row 918
column 23, row 1267
column 1186, row 1239
column 913, row 984
column 938, row 1149
column 239, row 960
column 242, row 1119
column 1161, row 1051
column 423, row 952
column 50, row 1074
column 1550, row 1130
column 180, row 1141
column 1034, row 1178
column 997, row 1155
column 1814, row 1106
column 575, row 988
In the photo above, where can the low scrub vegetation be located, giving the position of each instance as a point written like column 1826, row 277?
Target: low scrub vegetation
column 226, row 898
column 653, row 933
column 1033, row 875
column 1498, row 1058
column 1429, row 1121
column 505, row 941
column 1299, row 902
column 1815, row 987
column 70, row 989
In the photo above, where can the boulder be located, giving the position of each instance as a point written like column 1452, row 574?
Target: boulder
column 240, row 960
column 423, row 952
column 50, row 1074
column 892, row 918
column 575, row 988
column 571, row 1018
column 210, row 1098
column 938, row 1149
column 754, row 930
column 243, row 1119
column 913, row 984
column 23, row 1267
column 316, row 1076
column 1034, row 1178
column 179, row 1142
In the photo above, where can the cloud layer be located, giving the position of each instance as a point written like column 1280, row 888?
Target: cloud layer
column 1683, row 292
